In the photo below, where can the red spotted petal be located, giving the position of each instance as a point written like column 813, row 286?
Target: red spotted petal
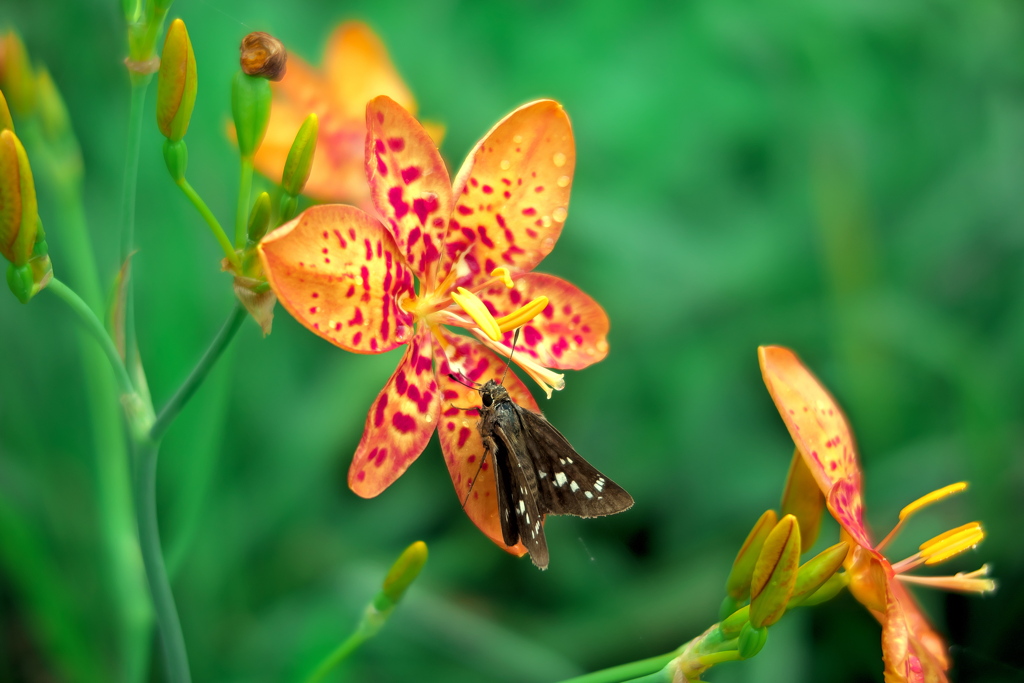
column 512, row 193
column 460, row 439
column 570, row 334
column 926, row 644
column 818, row 428
column 400, row 422
column 338, row 272
column 409, row 184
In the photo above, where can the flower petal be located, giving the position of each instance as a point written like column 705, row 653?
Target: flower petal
column 570, row 334
column 815, row 422
column 338, row 272
column 472, row 473
column 926, row 643
column 358, row 68
column 399, row 423
column 408, row 183
column 512, row 193
column 847, row 507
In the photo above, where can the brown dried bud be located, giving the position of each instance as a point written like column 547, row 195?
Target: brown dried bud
column 263, row 55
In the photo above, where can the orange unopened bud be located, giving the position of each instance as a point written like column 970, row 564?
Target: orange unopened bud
column 737, row 586
column 17, row 79
column 19, row 214
column 803, row 499
column 263, row 55
column 176, row 83
column 775, row 573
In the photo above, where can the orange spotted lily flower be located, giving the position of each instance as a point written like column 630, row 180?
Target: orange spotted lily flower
column 913, row 652
column 445, row 256
column 355, row 69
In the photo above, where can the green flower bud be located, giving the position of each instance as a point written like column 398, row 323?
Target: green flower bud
column 17, row 78
column 19, row 214
column 737, row 586
column 751, row 641
column 300, row 157
column 21, row 282
column 775, row 573
column 6, row 122
column 403, row 572
column 289, row 207
column 176, row 158
column 828, row 590
column 803, row 499
column 259, row 218
column 176, row 83
column 250, row 107
column 813, row 573
column 731, row 625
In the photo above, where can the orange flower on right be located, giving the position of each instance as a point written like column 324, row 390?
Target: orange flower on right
column 911, row 649
column 355, row 69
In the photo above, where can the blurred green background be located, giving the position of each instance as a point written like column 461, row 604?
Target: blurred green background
column 844, row 178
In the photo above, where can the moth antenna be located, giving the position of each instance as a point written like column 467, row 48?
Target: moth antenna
column 515, row 338
column 455, row 378
column 472, row 482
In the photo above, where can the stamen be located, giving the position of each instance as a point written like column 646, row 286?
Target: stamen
column 523, row 315
column 933, row 497
column 504, row 275
column 474, row 306
column 970, row 582
column 951, row 543
column 920, row 504
column 548, row 379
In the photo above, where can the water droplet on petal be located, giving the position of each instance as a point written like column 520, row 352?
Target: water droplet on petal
column 559, row 214
column 505, row 164
column 563, row 181
column 547, row 244
column 545, row 221
column 517, row 139
column 428, row 418
column 558, row 159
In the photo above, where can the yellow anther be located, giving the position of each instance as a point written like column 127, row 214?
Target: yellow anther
column 933, row 497
column 523, row 315
column 953, row 542
column 471, row 304
column 503, row 275
column 963, row 582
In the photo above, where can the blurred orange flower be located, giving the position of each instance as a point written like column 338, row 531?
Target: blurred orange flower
column 355, row 69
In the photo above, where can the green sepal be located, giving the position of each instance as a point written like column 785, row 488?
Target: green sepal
column 259, row 218
column 289, row 207
column 21, row 282
column 300, row 157
column 176, row 158
column 751, row 641
column 250, row 108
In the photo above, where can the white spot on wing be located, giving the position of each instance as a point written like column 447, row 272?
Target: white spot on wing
column 574, row 487
column 560, row 478
column 599, row 484
column 588, row 494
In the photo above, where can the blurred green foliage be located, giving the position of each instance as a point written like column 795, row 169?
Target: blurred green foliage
column 843, row 178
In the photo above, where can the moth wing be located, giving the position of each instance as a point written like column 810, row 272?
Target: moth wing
column 567, row 484
column 521, row 518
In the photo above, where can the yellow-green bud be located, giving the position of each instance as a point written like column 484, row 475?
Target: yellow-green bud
column 737, row 586
column 250, row 107
column 300, row 157
column 751, row 640
column 828, row 590
column 176, row 158
column 803, row 498
column 6, row 122
column 816, row 571
column 176, row 83
column 403, row 572
column 730, row 626
column 17, row 79
column 19, row 214
column 775, row 573
column 259, row 218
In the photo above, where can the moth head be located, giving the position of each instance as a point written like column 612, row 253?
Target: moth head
column 491, row 393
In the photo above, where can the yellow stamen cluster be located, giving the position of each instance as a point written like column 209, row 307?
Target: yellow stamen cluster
column 952, row 543
column 933, row 497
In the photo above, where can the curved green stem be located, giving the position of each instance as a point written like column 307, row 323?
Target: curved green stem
column 171, row 637
column 244, row 190
column 338, row 655
column 95, row 327
column 128, row 196
column 211, row 220
column 199, row 373
column 625, row 672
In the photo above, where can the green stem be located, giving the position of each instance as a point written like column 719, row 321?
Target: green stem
column 244, row 190
column 128, row 196
column 199, row 373
column 338, row 655
column 211, row 220
column 625, row 672
column 96, row 329
column 171, row 637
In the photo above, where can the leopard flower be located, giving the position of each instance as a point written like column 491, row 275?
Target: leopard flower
column 355, row 69
column 911, row 649
column 445, row 256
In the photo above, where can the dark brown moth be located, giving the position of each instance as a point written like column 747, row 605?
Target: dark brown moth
column 538, row 473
